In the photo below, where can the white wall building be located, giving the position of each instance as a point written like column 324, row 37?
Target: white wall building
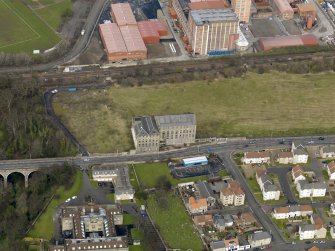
column 256, row 157
column 316, row 189
column 306, row 231
column 300, row 155
column 331, row 170
column 327, row 152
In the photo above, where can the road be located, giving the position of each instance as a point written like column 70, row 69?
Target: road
column 80, row 45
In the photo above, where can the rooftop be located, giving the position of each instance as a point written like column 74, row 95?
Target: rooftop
column 297, row 171
column 132, row 38
column 328, row 149
column 145, row 126
column 204, row 189
column 206, row 16
column 331, row 166
column 252, row 155
column 271, row 188
column 196, row 204
column 260, row 236
column 285, row 155
column 112, row 38
column 123, row 14
column 176, row 120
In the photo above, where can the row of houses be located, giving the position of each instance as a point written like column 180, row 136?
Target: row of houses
column 315, row 230
column 304, row 188
column 298, row 154
column 294, row 211
column 255, row 240
column 269, row 190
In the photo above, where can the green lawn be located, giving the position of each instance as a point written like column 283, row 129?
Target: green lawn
column 21, row 30
column 53, row 13
column 173, row 222
column 148, row 175
column 44, row 227
column 276, row 104
column 138, row 235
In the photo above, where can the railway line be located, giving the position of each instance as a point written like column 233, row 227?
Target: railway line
column 50, row 78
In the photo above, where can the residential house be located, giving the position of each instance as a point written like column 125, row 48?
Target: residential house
column 332, row 208
column 316, row 230
column 332, row 232
column 315, row 189
column 320, row 229
column 327, row 152
column 256, row 157
column 314, row 248
column 205, row 192
column 231, row 244
column 219, row 222
column 197, row 205
column 232, row 194
column 246, row 219
column 228, row 219
column 259, row 239
column 269, row 190
column 202, row 220
column 300, row 155
column 297, row 174
column 306, row 231
column 331, row 170
column 285, row 157
column 218, row 246
column 292, row 211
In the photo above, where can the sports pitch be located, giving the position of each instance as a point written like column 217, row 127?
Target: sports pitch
column 22, row 29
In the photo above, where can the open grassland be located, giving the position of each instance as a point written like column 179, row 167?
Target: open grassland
column 273, row 104
column 174, row 225
column 53, row 12
column 44, row 227
column 21, row 30
column 149, row 174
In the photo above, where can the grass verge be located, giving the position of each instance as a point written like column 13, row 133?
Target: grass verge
column 173, row 222
column 255, row 106
column 44, row 227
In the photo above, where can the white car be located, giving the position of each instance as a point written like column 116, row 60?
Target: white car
column 86, row 159
column 54, row 91
column 74, row 197
column 68, row 200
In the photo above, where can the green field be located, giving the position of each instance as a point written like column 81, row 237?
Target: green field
column 173, row 223
column 275, row 104
column 44, row 227
column 148, row 174
column 22, row 30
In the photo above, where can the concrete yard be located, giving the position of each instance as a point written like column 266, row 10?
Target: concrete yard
column 265, row 28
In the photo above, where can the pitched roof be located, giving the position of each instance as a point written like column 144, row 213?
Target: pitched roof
column 253, row 155
column 227, row 191
column 328, row 149
column 204, row 189
column 331, row 167
column 260, row 236
column 281, row 210
column 231, row 242
column 218, row 219
column 195, row 204
column 270, row 188
column 248, row 217
column 176, row 119
column 202, row 219
column 235, row 187
column 314, row 248
column 298, row 150
column 297, row 171
column 318, row 221
column 285, row 155
column 260, row 172
column 266, row 179
column 306, row 208
column 307, row 227
column 145, row 126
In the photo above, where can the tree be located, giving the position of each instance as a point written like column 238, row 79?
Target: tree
column 163, row 183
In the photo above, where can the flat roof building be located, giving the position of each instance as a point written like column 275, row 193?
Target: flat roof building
column 212, row 30
column 122, row 14
column 119, row 175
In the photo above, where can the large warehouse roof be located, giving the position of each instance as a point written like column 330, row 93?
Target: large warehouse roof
column 269, row 43
column 283, row 6
column 207, row 5
column 123, row 14
column 147, row 29
column 112, row 38
column 201, row 17
column 132, row 38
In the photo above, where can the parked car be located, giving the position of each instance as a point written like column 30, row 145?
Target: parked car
column 321, row 138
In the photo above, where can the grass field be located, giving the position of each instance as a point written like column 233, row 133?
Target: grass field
column 148, row 175
column 44, row 227
column 275, row 104
column 21, row 30
column 174, row 224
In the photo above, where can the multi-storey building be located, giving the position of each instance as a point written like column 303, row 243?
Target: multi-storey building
column 212, row 30
column 232, row 195
column 298, row 174
column 145, row 134
column 315, row 189
column 242, row 9
column 177, row 129
column 300, row 155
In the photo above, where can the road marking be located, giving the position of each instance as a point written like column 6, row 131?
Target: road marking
column 25, row 22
